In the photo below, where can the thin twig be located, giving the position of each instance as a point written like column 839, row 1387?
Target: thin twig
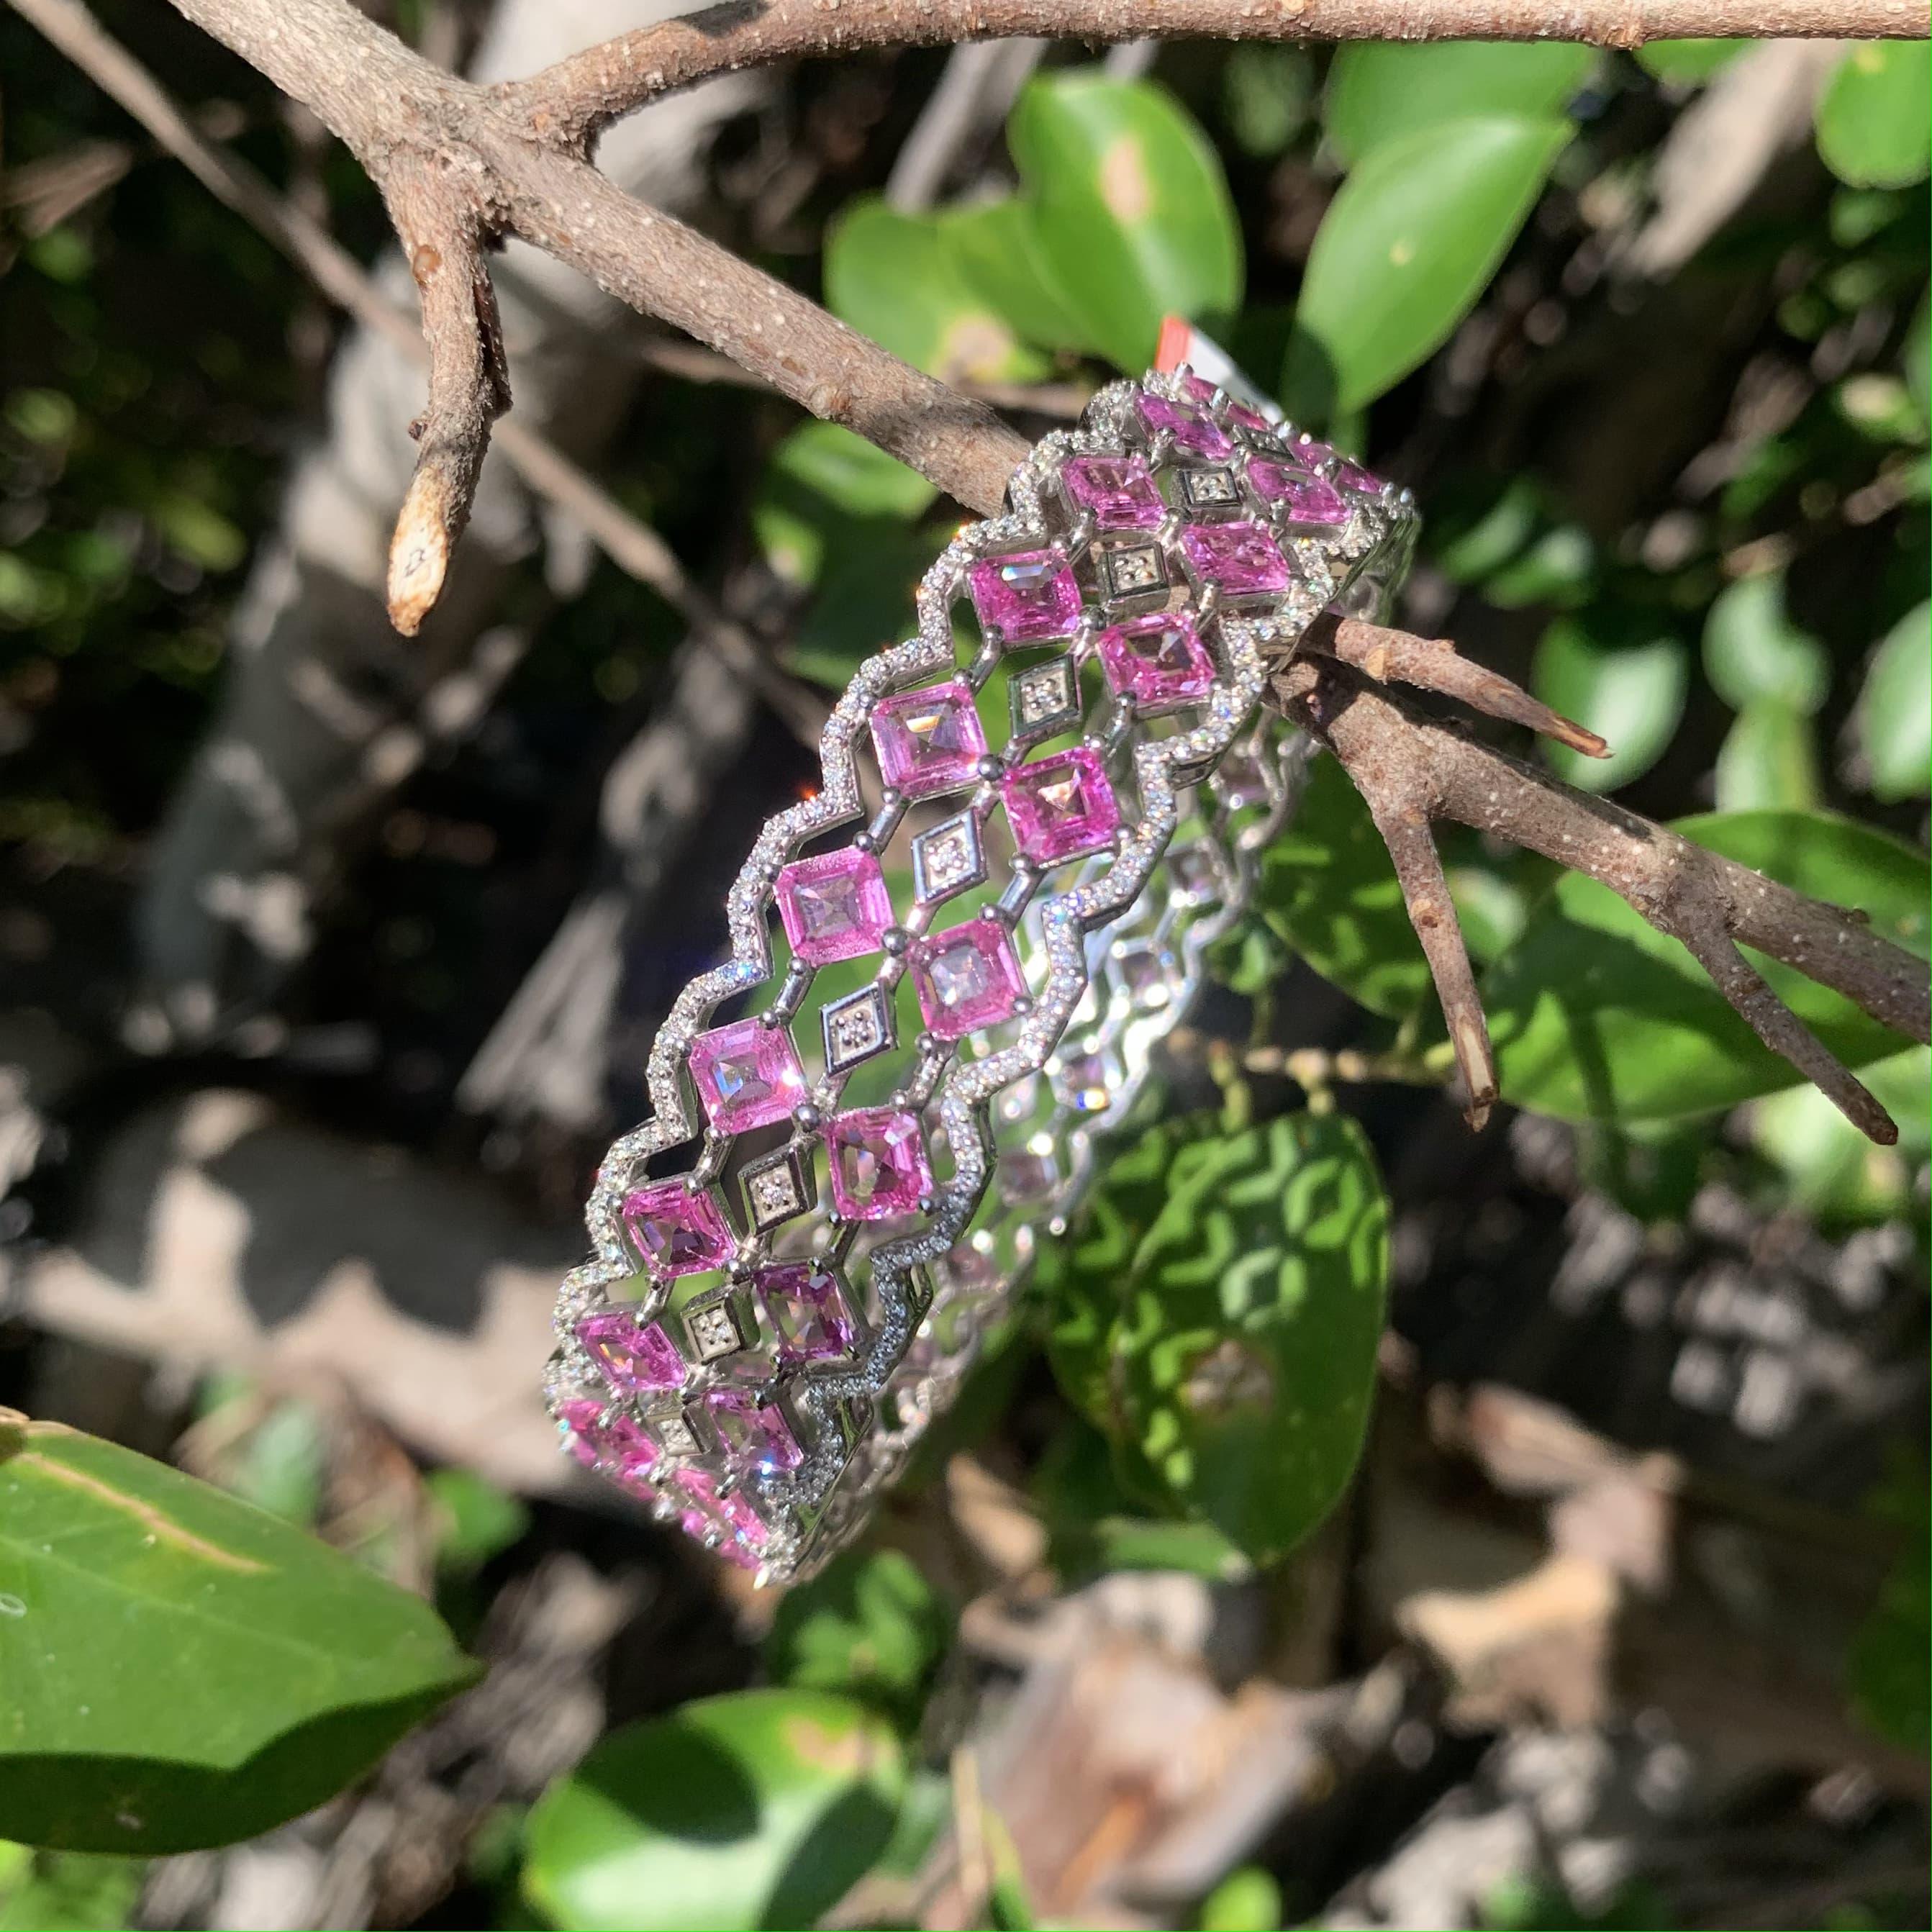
column 571, row 99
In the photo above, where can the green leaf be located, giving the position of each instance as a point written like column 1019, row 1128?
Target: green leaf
column 1327, row 888
column 1891, row 1688
column 1768, row 761
column 847, row 474
column 1557, row 569
column 1753, row 652
column 1875, row 116
column 1691, row 63
column 1266, row 91
column 1131, row 206
column 1596, row 1014
column 1916, row 358
column 892, row 277
column 758, row 1808
column 1829, row 1168
column 997, row 248
column 1893, row 726
column 1246, row 1352
column 1383, row 91
column 475, row 1520
column 868, row 1624
column 1623, row 675
column 1248, row 1899
column 1410, row 242
column 73, row 1891
column 185, row 1669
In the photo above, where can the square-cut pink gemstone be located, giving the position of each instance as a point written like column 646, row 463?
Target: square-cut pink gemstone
column 1353, row 476
column 1198, row 387
column 1061, row 806
column 1303, row 499
column 1241, row 557
column 928, row 741
column 834, row 906
column 675, row 1231
column 1191, row 428
column 966, row 977
column 1158, row 661
column 732, row 1512
column 1031, row 595
column 755, row 1434
column 807, row 1308
column 747, row 1074
column 1119, row 491
column 637, row 1356
column 1252, row 420
column 879, row 1165
column 582, row 1420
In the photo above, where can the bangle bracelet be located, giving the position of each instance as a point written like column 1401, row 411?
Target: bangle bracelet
column 967, row 990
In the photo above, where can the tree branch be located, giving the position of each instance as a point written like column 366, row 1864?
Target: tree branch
column 571, row 100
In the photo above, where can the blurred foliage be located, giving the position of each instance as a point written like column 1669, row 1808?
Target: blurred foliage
column 870, row 1625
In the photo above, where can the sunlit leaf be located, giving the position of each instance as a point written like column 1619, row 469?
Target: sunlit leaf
column 1623, row 675
column 997, row 247
column 1409, row 243
column 1382, row 90
column 1829, row 1168
column 758, row 1808
column 1132, row 207
column 1594, row 1013
column 1874, row 119
column 183, row 1669
column 1754, row 653
column 1768, row 761
column 868, row 1624
column 1893, row 725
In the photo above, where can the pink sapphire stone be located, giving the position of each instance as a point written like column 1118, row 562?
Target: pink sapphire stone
column 879, row 1167
column 928, row 741
column 1252, row 420
column 1303, row 499
column 1061, row 806
column 1031, row 595
column 732, row 1512
column 1353, row 476
column 1119, row 491
column 747, row 1074
column 1198, row 387
column 638, row 1357
column 1241, row 557
column 583, row 1421
column 806, row 1308
column 966, row 977
column 754, row 1434
column 675, row 1231
column 1159, row 661
column 1189, row 427
column 833, row 907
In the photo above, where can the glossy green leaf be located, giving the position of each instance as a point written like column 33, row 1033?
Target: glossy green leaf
column 847, row 473
column 869, row 1624
column 1246, row 1354
column 183, row 1669
column 1595, row 1014
column 997, row 249
column 892, row 277
column 1691, row 63
column 1893, row 726
column 1327, row 888
column 1829, row 1168
column 1754, row 653
column 1557, row 570
column 1410, row 241
column 1382, row 90
column 474, row 1520
column 1768, row 761
column 1626, row 679
column 1874, row 119
column 757, row 1808
column 1132, row 207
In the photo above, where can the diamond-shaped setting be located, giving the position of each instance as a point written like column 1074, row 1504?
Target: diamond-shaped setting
column 747, row 1074
column 1241, row 557
column 674, row 1433
column 1022, row 598
column 928, row 741
column 1303, row 499
column 637, row 1356
column 833, row 906
column 1045, row 698
column 948, row 859
column 715, row 1327
column 1213, row 489
column 1158, row 661
column 1061, row 806
column 879, row 1163
column 809, row 1311
column 1192, row 429
column 1118, row 490
column 777, row 1188
column 967, row 977
column 857, row 1028
column 754, row 1434
column 1131, row 570
column 675, row 1231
